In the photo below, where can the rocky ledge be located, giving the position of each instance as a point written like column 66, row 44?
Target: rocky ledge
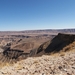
column 62, row 64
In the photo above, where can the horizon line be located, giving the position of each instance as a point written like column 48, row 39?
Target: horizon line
column 34, row 29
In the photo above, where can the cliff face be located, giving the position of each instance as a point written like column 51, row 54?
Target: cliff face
column 8, row 55
column 62, row 42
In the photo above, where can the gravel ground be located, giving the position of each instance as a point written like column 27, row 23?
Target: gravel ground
column 44, row 65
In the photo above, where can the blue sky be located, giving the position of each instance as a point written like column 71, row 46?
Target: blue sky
column 36, row 14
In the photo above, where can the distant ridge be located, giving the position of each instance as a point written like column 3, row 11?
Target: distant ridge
column 44, row 31
column 71, row 30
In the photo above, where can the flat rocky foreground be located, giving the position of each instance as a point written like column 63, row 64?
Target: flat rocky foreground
column 57, row 64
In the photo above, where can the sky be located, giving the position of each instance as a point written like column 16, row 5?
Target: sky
column 18, row 15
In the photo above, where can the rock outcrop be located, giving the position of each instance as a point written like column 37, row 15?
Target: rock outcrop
column 60, row 43
column 8, row 55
